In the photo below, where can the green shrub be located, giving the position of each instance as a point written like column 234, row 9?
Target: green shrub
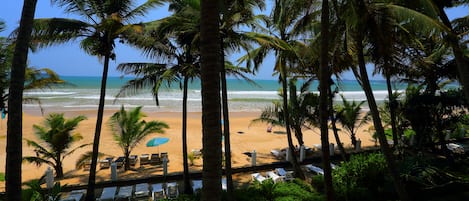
column 317, row 181
column 2, row 176
column 285, row 191
column 361, row 178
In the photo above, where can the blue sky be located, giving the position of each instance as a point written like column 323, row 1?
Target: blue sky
column 69, row 59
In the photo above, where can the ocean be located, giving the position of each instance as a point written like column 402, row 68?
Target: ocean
column 82, row 93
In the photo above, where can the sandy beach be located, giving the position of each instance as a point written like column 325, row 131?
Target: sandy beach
column 245, row 137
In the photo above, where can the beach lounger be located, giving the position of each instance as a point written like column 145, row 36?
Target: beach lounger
column 120, row 161
column 155, row 159
column 87, row 165
column 277, row 154
column 142, row 192
column 287, row 175
column 275, row 177
column 172, row 190
column 75, row 195
column 105, row 163
column 196, row 152
column 144, row 159
column 108, row 194
column 314, row 169
column 133, row 160
column 223, row 184
column 157, row 192
column 196, row 185
column 257, row 177
column 125, row 193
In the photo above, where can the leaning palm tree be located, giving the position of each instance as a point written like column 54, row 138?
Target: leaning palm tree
column 15, row 118
column 104, row 22
column 349, row 115
column 129, row 129
column 56, row 138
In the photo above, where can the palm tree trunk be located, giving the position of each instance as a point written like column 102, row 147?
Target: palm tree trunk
column 296, row 167
column 343, row 153
column 324, row 87
column 59, row 172
column 14, row 147
column 461, row 60
column 211, row 110
column 186, row 177
column 365, row 83
column 90, row 196
column 226, row 133
column 126, row 160
column 392, row 105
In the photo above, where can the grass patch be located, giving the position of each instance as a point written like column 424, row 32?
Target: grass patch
column 2, row 176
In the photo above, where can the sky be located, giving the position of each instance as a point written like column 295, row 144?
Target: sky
column 70, row 60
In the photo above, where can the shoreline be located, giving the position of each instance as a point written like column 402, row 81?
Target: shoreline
column 245, row 137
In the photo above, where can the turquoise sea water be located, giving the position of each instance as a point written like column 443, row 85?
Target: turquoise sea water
column 83, row 93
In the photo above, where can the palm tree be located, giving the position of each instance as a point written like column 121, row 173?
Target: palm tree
column 324, row 89
column 285, row 25
column 104, row 22
column 360, row 18
column 210, row 49
column 56, row 141
column 129, row 130
column 303, row 109
column 14, row 147
column 349, row 115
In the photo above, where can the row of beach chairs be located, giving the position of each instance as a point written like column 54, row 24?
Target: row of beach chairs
column 280, row 174
column 138, row 192
column 153, row 159
column 277, row 175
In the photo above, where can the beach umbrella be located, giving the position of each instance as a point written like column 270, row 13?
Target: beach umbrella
column 157, row 141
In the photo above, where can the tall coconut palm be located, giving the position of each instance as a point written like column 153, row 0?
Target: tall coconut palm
column 129, row 129
column 103, row 22
column 233, row 14
column 349, row 114
column 324, row 88
column 282, row 38
column 14, row 147
column 57, row 138
column 210, row 49
column 359, row 18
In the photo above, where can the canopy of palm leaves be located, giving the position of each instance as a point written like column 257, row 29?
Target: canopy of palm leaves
column 56, row 141
column 129, row 129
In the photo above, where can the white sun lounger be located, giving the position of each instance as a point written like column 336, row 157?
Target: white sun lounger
column 258, row 177
column 314, row 169
column 287, row 175
column 172, row 190
column 125, row 193
column 108, row 194
column 275, row 177
column 142, row 191
column 196, row 185
column 75, row 195
column 157, row 192
column 223, row 184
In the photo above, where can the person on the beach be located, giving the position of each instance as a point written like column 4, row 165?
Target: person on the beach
column 269, row 128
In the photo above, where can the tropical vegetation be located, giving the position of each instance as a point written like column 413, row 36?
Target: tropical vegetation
column 129, row 129
column 413, row 42
column 56, row 141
